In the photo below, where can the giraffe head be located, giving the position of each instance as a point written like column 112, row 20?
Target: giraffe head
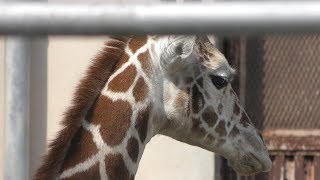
column 200, row 106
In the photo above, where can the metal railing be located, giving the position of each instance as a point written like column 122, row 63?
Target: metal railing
column 219, row 18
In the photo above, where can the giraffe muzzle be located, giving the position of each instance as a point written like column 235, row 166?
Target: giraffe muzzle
column 250, row 164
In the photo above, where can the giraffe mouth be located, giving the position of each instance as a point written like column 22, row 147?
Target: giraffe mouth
column 247, row 165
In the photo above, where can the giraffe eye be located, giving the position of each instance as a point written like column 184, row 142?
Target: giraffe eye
column 219, row 81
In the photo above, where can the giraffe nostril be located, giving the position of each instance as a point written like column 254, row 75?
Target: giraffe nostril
column 262, row 162
column 257, row 163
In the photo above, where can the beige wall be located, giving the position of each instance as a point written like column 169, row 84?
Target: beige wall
column 67, row 61
column 164, row 158
column 167, row 159
column 1, row 105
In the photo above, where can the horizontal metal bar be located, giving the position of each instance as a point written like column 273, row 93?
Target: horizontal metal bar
column 220, row 18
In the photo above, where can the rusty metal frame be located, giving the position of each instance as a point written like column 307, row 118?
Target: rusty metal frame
column 289, row 141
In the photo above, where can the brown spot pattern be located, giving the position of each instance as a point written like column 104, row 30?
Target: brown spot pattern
column 210, row 139
column 199, row 131
column 146, row 66
column 82, row 147
column 234, row 132
column 228, row 124
column 140, row 91
column 206, row 55
column 116, row 168
column 211, row 55
column 91, row 173
column 124, row 58
column 123, row 81
column 220, row 108
column 236, row 109
column 188, row 80
column 142, row 123
column 221, row 129
column 133, row 149
column 200, row 82
column 114, row 118
column 188, row 103
column 197, row 100
column 209, row 116
column 204, row 51
column 137, row 42
column 244, row 121
column 180, row 101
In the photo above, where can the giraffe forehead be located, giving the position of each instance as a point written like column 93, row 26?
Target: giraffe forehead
column 213, row 60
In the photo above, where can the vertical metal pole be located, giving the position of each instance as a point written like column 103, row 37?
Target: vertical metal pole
column 17, row 61
column 19, row 51
column 38, row 101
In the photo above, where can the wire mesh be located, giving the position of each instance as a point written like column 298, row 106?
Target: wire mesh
column 282, row 84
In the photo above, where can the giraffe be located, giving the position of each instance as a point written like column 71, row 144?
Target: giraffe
column 140, row 86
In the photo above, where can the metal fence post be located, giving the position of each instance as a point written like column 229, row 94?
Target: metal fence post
column 17, row 61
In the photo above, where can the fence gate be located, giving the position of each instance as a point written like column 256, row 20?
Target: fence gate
column 278, row 82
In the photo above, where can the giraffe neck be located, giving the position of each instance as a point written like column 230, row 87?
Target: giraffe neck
column 112, row 138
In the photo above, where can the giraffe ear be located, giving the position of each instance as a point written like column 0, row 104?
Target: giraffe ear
column 175, row 50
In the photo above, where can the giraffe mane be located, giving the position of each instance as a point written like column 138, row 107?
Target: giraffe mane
column 86, row 93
